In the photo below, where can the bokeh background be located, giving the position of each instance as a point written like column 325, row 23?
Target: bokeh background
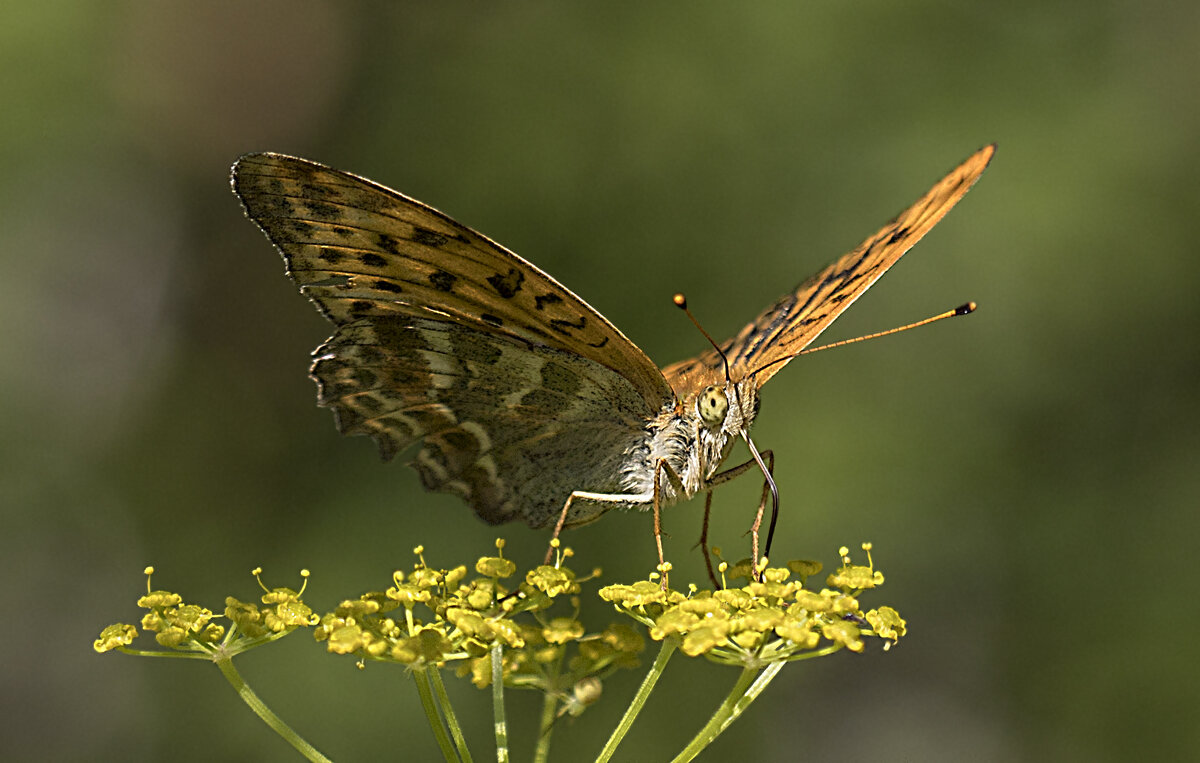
column 1029, row 475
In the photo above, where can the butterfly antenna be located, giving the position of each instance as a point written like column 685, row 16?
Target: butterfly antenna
column 965, row 309
column 681, row 302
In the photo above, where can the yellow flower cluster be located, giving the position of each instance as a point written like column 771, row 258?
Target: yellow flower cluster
column 431, row 617
column 189, row 627
column 770, row 619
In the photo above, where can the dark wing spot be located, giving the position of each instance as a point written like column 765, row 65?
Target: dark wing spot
column 369, row 355
column 360, row 306
column 601, row 343
column 298, row 228
column 270, row 206
column 391, row 286
column 430, row 478
column 427, row 237
column 332, row 281
column 396, row 396
column 542, row 400
column 388, row 243
column 565, row 326
column 427, row 420
column 302, row 169
column 477, row 348
column 490, row 319
column 374, row 202
column 559, row 379
column 849, row 277
column 333, row 391
column 372, row 260
column 460, row 448
column 442, row 281
column 899, row 234
column 330, row 256
column 317, row 189
column 368, row 404
column 323, row 211
column 546, row 299
column 507, row 285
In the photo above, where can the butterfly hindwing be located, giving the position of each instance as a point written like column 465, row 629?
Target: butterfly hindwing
column 796, row 319
column 509, row 426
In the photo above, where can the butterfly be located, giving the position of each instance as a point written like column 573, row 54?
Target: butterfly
column 523, row 399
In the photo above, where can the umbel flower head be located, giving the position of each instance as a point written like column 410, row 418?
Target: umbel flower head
column 433, row 617
column 427, row 617
column 772, row 618
column 188, row 628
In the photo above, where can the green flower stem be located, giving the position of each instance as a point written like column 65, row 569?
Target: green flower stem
column 751, row 694
column 498, row 702
column 545, row 726
column 262, row 711
column 421, row 679
column 206, row 656
column 443, row 700
column 724, row 715
column 669, row 646
column 749, row 685
column 549, row 705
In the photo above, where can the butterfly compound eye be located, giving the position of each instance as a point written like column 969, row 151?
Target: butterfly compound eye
column 712, row 405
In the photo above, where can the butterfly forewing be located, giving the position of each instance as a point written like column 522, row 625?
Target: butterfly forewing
column 796, row 319
column 517, row 391
column 361, row 250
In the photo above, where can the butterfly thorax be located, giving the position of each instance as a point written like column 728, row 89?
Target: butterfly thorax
column 692, row 437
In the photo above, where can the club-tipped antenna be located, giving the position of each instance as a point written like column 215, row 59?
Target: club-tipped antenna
column 681, row 302
column 964, row 309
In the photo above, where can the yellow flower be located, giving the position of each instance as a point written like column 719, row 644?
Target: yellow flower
column 115, row 636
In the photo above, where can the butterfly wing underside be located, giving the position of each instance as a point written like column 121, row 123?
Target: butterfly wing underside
column 518, row 391
column 796, row 319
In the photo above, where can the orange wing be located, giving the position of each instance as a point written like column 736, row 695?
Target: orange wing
column 796, row 319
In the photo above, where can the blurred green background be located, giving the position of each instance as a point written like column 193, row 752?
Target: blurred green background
column 1029, row 475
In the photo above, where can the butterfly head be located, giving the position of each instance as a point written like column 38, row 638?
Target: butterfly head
column 728, row 407
column 723, row 414
column 712, row 405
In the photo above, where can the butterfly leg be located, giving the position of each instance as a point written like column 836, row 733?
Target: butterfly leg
column 737, row 471
column 769, row 455
column 704, row 540
column 660, row 470
column 721, row 478
column 583, row 495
